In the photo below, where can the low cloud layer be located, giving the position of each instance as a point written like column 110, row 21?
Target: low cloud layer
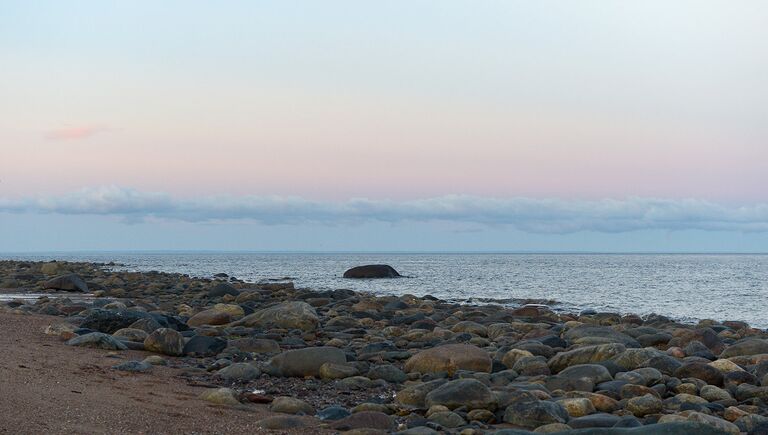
column 554, row 216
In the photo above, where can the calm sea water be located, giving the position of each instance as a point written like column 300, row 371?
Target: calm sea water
column 686, row 287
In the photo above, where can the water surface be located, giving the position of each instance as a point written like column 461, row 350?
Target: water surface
column 686, row 287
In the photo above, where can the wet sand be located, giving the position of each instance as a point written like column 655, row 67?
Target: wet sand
column 48, row 387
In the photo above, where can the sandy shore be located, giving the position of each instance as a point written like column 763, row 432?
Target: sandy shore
column 48, row 387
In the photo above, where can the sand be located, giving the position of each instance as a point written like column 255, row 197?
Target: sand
column 48, row 387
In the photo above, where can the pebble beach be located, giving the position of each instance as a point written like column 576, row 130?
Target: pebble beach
column 237, row 357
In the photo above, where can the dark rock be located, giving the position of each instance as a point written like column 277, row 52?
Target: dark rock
column 222, row 289
column 109, row 321
column 469, row 393
column 532, row 414
column 68, row 282
column 202, row 345
column 372, row 271
column 166, row 341
column 388, row 372
column 701, row 371
column 97, row 340
column 749, row 346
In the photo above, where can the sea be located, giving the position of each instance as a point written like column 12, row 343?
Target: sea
column 686, row 287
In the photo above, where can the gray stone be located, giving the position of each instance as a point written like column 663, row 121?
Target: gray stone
column 69, row 282
column 287, row 315
column 166, row 341
column 97, row 340
column 290, row 405
column 469, row 393
column 239, row 372
column 305, row 362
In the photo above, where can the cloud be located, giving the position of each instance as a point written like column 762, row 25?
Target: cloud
column 556, row 216
column 74, row 133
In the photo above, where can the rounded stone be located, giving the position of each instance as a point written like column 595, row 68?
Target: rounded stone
column 469, row 393
column 166, row 341
column 450, row 358
column 290, row 405
column 644, row 405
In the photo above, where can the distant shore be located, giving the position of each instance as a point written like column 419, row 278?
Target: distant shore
column 294, row 359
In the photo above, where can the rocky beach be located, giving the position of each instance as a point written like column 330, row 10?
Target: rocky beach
column 91, row 349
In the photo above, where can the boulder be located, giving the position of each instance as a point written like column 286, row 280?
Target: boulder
column 222, row 289
column 97, row 340
column 644, row 405
column 415, row 395
column 372, row 271
column 166, row 341
column 585, row 355
column 450, row 358
column 239, row 372
column 290, row 405
column 532, row 414
column 594, row 372
column 220, row 396
column 287, row 315
column 69, row 282
column 702, row 371
column 749, row 346
column 209, row 317
column 109, row 321
column 590, row 334
column 130, row 334
column 469, row 393
column 202, row 345
column 305, row 362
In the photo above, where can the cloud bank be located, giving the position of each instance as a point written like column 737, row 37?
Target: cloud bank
column 554, row 216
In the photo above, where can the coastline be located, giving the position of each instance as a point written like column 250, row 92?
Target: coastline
column 375, row 362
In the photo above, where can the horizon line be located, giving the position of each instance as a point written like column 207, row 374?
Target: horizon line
column 375, row 252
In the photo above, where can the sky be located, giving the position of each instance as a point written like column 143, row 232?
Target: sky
column 402, row 125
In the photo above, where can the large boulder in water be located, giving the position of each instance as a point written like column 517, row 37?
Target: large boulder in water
column 288, row 315
column 450, row 358
column 69, row 282
column 372, row 271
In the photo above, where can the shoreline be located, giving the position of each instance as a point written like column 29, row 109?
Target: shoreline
column 344, row 360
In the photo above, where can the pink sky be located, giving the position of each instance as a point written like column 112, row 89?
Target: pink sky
column 595, row 101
